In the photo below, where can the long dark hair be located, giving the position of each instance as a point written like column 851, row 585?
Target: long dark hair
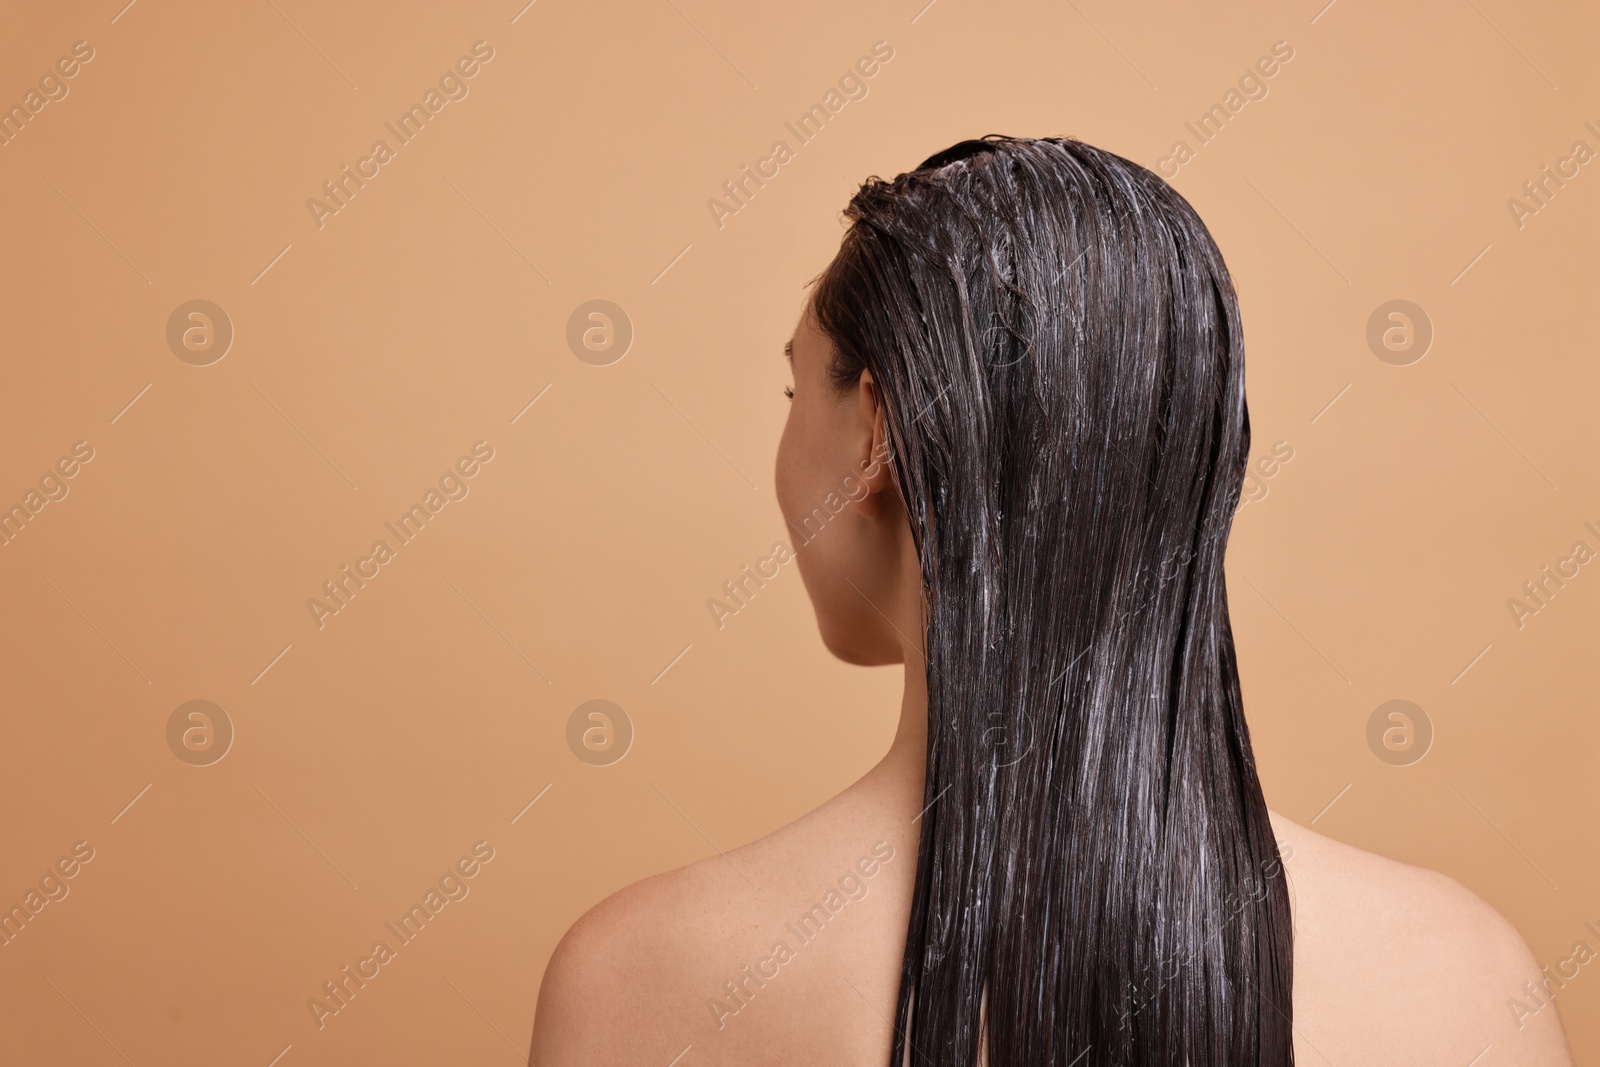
column 1058, row 348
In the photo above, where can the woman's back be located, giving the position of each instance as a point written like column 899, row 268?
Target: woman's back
column 786, row 951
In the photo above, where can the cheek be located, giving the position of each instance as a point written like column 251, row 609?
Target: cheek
column 801, row 484
column 805, row 453
column 785, row 475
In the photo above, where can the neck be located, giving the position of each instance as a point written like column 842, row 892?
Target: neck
column 904, row 766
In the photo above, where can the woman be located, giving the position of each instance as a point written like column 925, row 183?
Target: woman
column 1024, row 370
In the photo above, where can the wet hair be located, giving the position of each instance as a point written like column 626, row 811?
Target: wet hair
column 1057, row 346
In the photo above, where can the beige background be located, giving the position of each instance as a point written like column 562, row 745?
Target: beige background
column 426, row 315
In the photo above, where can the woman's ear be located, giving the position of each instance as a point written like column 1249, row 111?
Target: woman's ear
column 872, row 462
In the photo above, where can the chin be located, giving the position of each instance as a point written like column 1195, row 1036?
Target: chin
column 860, row 652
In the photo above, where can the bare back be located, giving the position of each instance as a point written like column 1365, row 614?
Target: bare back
column 788, row 950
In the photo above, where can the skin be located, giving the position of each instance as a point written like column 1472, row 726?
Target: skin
column 1393, row 964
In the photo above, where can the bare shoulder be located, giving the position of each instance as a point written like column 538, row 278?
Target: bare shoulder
column 1395, row 963
column 594, row 1002
column 739, row 957
column 787, row 950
